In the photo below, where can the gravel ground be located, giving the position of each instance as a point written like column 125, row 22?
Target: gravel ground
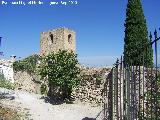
column 38, row 109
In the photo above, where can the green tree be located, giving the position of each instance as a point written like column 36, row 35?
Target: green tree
column 136, row 48
column 60, row 69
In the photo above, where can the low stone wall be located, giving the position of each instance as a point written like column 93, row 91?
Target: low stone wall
column 91, row 86
column 26, row 82
column 89, row 90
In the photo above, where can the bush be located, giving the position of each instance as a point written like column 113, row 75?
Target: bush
column 43, row 89
column 5, row 84
column 61, row 71
column 28, row 64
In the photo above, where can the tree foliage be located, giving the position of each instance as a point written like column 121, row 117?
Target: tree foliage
column 5, row 83
column 136, row 49
column 60, row 69
column 28, row 64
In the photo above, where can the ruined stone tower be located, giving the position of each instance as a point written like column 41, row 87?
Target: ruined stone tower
column 54, row 40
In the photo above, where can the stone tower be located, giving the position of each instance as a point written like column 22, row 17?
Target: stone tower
column 57, row 39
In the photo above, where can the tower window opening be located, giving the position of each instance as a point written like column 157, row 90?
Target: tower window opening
column 70, row 38
column 51, row 37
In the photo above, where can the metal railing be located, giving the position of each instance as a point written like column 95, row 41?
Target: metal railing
column 132, row 91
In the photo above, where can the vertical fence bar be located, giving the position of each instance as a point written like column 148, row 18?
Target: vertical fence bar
column 104, row 108
column 147, row 90
column 139, row 91
column 156, row 88
column 147, row 78
column 113, row 92
column 104, row 112
column 124, row 91
column 128, row 92
column 131, row 91
column 110, row 98
column 143, row 85
column 116, row 90
column 114, row 101
column 151, row 82
column 105, row 101
column 120, row 89
column 134, row 93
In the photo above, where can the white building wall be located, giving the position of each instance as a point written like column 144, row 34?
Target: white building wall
column 7, row 71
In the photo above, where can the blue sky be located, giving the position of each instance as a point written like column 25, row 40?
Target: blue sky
column 99, row 25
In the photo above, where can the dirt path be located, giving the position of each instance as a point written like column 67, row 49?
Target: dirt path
column 40, row 110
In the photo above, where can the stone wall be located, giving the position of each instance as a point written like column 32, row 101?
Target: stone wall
column 54, row 40
column 26, row 82
column 89, row 90
column 91, row 87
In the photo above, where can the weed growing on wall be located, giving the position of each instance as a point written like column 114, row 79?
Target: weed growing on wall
column 28, row 64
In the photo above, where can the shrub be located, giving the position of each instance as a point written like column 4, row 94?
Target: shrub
column 28, row 64
column 43, row 89
column 61, row 70
column 5, row 84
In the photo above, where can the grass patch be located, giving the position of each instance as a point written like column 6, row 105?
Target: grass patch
column 6, row 84
column 9, row 114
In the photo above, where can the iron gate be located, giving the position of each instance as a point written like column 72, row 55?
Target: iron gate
column 132, row 91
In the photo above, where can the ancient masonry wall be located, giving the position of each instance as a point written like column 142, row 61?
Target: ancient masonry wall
column 54, row 40
column 91, row 88
column 26, row 82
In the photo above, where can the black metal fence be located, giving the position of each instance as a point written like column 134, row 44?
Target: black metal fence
column 132, row 92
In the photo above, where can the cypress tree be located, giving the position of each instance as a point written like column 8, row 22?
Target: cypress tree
column 136, row 48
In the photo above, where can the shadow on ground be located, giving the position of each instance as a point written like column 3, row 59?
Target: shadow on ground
column 86, row 118
column 52, row 100
column 7, row 96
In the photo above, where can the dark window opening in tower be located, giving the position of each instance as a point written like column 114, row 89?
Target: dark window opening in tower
column 51, row 37
column 70, row 38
